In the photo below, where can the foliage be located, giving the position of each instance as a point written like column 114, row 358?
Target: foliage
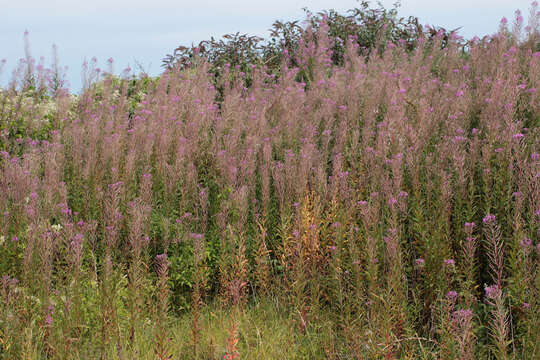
column 346, row 204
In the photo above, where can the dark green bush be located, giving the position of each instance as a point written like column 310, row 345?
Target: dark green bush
column 370, row 28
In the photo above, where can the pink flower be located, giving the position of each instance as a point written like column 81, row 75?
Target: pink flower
column 161, row 257
column 525, row 243
column 519, row 19
column 492, row 291
column 463, row 314
column 449, row 262
column 488, row 219
column 65, row 210
column 452, row 295
column 196, row 236
column 469, row 225
column 50, row 312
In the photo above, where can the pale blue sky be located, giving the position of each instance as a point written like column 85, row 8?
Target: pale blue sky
column 145, row 31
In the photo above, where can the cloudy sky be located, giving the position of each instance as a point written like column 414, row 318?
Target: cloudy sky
column 143, row 32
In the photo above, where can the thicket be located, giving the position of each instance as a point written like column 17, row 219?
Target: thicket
column 370, row 29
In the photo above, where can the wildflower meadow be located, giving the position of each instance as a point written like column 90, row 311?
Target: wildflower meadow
column 346, row 191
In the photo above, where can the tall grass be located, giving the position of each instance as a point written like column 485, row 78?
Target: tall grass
column 385, row 208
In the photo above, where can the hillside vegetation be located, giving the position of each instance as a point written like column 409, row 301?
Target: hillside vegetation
column 336, row 199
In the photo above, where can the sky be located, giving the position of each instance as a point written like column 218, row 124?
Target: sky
column 139, row 33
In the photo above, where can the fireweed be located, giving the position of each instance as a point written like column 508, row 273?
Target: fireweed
column 386, row 207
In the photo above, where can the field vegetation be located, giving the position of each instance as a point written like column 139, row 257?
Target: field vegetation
column 358, row 186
